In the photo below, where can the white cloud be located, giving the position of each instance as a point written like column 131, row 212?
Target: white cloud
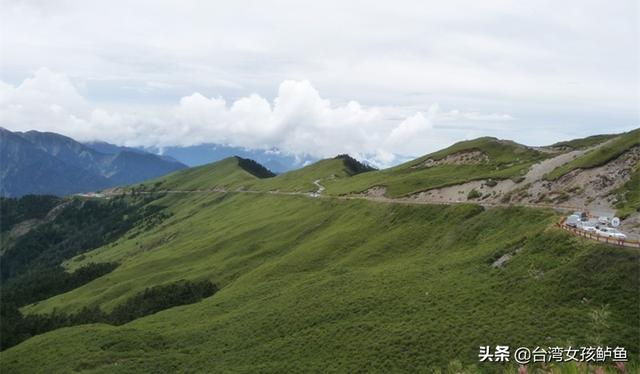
column 411, row 128
column 297, row 121
column 559, row 69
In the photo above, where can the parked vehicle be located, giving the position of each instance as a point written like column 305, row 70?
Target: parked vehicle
column 586, row 226
column 610, row 232
column 573, row 220
column 583, row 216
column 603, row 220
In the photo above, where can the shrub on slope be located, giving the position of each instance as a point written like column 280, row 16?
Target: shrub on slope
column 344, row 285
column 600, row 155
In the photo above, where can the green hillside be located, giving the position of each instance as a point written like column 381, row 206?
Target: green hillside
column 500, row 160
column 582, row 143
column 344, row 175
column 628, row 195
column 232, row 173
column 302, row 180
column 600, row 155
column 327, row 284
column 228, row 173
column 296, row 284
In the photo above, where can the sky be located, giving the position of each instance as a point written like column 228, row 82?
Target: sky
column 378, row 80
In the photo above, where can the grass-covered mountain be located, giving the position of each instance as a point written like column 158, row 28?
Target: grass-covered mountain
column 235, row 173
column 46, row 163
column 324, row 282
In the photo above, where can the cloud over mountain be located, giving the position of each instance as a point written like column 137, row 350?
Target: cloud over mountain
column 298, row 120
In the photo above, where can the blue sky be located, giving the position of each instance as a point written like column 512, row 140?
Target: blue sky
column 374, row 79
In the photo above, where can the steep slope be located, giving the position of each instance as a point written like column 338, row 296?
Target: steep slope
column 230, row 173
column 627, row 196
column 238, row 173
column 302, row 180
column 66, row 150
column 581, row 143
column 127, row 167
column 49, row 163
column 27, row 169
column 614, row 148
column 329, row 284
column 599, row 176
column 464, row 161
column 110, row 149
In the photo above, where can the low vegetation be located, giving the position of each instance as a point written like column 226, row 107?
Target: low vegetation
column 473, row 194
column 628, row 195
column 505, row 160
column 254, row 168
column 30, row 268
column 17, row 328
column 222, row 174
column 353, row 166
column 28, row 207
column 317, row 284
column 345, row 175
column 582, row 143
column 600, row 155
column 81, row 225
column 327, row 285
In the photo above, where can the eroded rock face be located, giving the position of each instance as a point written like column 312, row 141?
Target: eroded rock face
column 587, row 188
column 458, row 158
column 600, row 180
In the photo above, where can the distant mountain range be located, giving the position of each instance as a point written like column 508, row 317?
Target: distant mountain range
column 197, row 155
column 47, row 163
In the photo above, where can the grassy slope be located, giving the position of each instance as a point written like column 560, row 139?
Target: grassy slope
column 227, row 174
column 319, row 284
column 301, row 180
column 599, row 156
column 224, row 173
column 582, row 143
column 628, row 195
column 506, row 160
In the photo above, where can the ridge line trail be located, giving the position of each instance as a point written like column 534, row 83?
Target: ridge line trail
column 387, row 200
column 535, row 172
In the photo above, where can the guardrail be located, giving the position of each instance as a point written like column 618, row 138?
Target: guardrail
column 593, row 236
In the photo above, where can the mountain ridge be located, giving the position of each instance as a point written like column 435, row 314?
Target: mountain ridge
column 321, row 279
column 50, row 163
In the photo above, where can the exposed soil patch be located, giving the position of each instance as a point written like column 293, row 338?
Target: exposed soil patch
column 458, row 158
column 23, row 227
column 500, row 262
column 588, row 187
column 631, row 226
column 377, row 191
column 28, row 225
column 582, row 188
column 490, row 191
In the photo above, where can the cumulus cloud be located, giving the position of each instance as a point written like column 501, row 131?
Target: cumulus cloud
column 182, row 74
column 297, row 121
